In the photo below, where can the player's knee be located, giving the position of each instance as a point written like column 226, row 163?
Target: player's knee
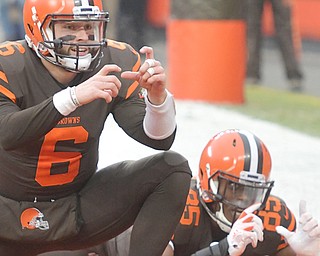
column 177, row 180
column 176, row 162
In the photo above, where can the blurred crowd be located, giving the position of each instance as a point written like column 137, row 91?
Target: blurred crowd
column 129, row 16
column 11, row 23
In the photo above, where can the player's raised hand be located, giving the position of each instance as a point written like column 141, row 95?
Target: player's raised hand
column 305, row 241
column 248, row 229
column 150, row 76
column 104, row 85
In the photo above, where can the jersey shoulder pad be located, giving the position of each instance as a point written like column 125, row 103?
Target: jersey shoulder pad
column 12, row 65
column 123, row 55
column 11, row 54
column 277, row 213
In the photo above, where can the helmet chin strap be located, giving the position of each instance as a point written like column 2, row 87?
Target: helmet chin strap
column 218, row 217
column 223, row 222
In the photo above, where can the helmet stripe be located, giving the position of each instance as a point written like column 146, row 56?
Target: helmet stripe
column 260, row 155
column 246, row 146
column 251, row 149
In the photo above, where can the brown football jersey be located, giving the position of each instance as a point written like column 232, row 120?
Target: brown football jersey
column 44, row 153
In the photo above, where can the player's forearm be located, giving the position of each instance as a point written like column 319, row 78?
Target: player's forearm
column 18, row 127
column 159, row 122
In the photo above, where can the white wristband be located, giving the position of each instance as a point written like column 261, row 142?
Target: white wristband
column 159, row 122
column 63, row 102
column 74, row 96
column 171, row 245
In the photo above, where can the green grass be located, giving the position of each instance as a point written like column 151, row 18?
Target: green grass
column 294, row 110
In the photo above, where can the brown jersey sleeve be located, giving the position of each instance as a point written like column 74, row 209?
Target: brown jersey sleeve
column 18, row 124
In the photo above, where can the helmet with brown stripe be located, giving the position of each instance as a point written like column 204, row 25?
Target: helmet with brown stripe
column 234, row 173
column 72, row 17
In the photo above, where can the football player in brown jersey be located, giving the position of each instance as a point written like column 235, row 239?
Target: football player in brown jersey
column 230, row 210
column 57, row 88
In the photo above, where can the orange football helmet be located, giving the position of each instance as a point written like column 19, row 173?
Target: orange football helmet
column 40, row 19
column 32, row 218
column 234, row 172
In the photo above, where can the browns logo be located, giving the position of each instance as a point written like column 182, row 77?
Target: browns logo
column 32, row 218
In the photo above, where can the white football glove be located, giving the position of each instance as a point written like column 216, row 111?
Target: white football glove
column 305, row 241
column 248, row 229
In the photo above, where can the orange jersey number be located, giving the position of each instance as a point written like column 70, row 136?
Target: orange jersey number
column 10, row 48
column 49, row 156
column 191, row 212
column 273, row 214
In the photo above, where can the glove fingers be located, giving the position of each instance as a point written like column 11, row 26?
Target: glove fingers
column 252, row 223
column 254, row 232
column 253, row 228
column 248, row 229
column 258, row 227
column 251, row 218
column 284, row 232
column 252, row 239
column 250, row 209
column 259, row 232
column 257, row 220
column 302, row 207
column 315, row 233
column 310, row 225
column 305, row 218
column 249, row 222
column 246, row 218
column 306, row 239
